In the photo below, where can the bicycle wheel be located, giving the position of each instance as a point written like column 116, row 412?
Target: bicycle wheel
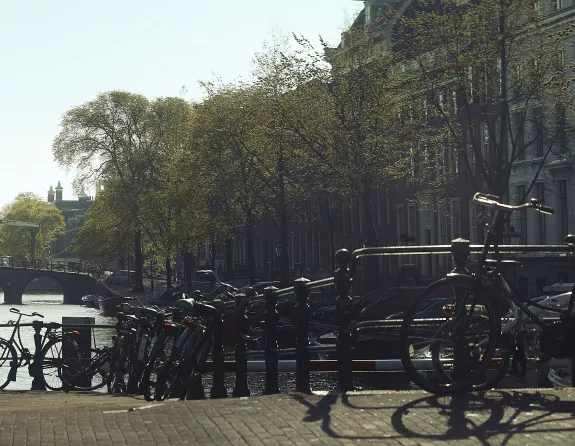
column 89, row 371
column 120, row 366
column 54, row 354
column 8, row 362
column 162, row 351
column 448, row 335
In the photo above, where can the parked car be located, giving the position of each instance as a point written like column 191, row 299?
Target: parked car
column 121, row 277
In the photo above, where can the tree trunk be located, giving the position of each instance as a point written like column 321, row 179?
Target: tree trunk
column 371, row 262
column 250, row 258
column 168, row 273
column 139, row 280
column 188, row 269
column 283, row 224
column 229, row 259
column 331, row 232
column 212, row 254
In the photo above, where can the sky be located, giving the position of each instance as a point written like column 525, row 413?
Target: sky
column 58, row 54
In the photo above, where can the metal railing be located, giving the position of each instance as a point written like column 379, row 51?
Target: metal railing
column 51, row 265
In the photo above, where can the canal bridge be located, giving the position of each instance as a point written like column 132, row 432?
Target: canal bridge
column 75, row 279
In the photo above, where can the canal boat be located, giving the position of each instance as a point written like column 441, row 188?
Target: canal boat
column 91, row 300
column 110, row 306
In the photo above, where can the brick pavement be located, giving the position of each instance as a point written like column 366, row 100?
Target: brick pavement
column 528, row 417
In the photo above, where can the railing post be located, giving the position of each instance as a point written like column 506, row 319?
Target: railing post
column 35, row 369
column 218, row 389
column 460, row 253
column 270, row 332
column 241, row 386
column 343, row 304
column 301, row 348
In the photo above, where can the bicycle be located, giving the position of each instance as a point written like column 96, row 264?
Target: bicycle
column 180, row 374
column 14, row 355
column 465, row 331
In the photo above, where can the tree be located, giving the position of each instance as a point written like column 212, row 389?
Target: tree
column 108, row 231
column 30, row 242
column 342, row 111
column 227, row 149
column 108, row 138
column 493, row 77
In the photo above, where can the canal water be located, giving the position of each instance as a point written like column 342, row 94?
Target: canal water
column 51, row 306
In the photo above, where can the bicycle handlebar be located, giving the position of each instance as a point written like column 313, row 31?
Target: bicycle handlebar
column 491, row 201
column 17, row 311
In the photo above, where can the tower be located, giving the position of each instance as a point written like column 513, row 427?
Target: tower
column 51, row 195
column 59, row 192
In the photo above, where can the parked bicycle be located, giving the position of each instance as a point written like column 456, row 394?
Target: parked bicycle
column 54, row 347
column 456, row 349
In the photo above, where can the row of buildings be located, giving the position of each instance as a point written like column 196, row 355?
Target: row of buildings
column 400, row 219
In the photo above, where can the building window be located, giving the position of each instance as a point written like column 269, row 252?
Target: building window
column 561, row 136
column 411, row 230
column 401, row 229
column 521, row 214
column 455, row 218
column 473, row 222
column 519, row 136
column 485, row 142
column 556, row 5
column 540, row 189
column 470, row 150
column 443, row 220
column 563, row 211
column 538, row 132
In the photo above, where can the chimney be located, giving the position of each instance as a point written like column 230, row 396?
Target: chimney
column 59, row 192
column 51, row 195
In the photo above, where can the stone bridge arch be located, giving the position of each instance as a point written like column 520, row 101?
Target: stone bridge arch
column 14, row 280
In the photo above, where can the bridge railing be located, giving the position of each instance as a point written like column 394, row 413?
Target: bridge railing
column 52, row 265
column 346, row 330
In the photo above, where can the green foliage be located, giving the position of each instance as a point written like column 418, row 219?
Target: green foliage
column 27, row 207
column 493, row 77
column 108, row 230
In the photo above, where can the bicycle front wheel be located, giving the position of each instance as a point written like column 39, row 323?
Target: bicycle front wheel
column 55, row 354
column 8, row 362
column 448, row 335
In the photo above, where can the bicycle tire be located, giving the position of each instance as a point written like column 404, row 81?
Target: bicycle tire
column 155, row 363
column 119, row 359
column 56, row 363
column 95, row 366
column 465, row 381
column 8, row 359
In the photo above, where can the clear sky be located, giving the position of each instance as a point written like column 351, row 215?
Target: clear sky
column 60, row 53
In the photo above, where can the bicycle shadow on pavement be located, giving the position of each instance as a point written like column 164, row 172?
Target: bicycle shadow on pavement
column 501, row 414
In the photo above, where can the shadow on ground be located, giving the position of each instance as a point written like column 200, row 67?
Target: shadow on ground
column 495, row 417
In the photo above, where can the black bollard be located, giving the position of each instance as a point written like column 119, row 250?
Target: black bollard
column 343, row 304
column 270, row 332
column 460, row 254
column 218, row 387
column 301, row 348
column 35, row 369
column 241, row 387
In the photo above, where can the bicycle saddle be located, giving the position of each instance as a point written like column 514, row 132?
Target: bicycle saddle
column 569, row 239
column 195, row 307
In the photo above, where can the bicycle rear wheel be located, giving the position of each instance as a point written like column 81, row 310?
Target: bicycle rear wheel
column 448, row 335
column 89, row 371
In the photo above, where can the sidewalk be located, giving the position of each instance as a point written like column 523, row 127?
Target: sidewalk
column 394, row 418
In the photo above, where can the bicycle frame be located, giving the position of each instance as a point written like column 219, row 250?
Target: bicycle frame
column 519, row 304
